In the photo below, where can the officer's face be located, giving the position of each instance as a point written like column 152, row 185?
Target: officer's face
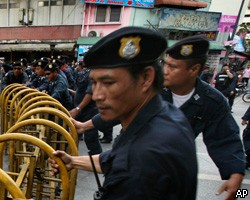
column 39, row 71
column 51, row 76
column 116, row 93
column 177, row 75
column 17, row 70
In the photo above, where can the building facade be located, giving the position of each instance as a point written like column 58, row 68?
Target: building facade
column 35, row 28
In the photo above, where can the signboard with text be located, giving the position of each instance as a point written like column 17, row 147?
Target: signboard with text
column 227, row 23
column 82, row 49
column 132, row 3
column 189, row 20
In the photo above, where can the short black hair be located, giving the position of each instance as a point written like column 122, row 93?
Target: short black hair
column 158, row 79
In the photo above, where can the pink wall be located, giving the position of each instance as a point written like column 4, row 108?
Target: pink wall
column 105, row 28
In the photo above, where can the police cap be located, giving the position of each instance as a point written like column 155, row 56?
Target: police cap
column 58, row 62
column 63, row 58
column 127, row 46
column 189, row 48
column 41, row 63
column 24, row 62
column 51, row 67
column 16, row 64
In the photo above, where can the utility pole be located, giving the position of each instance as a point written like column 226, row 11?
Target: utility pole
column 230, row 48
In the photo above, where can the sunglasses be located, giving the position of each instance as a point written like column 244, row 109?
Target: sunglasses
column 17, row 68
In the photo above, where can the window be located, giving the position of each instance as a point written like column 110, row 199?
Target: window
column 3, row 6
column 56, row 3
column 52, row 3
column 14, row 5
column 43, row 3
column 108, row 13
column 69, row 2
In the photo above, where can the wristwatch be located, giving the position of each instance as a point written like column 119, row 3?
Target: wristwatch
column 78, row 109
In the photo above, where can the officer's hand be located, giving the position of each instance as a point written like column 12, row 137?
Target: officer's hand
column 80, row 128
column 244, row 122
column 73, row 113
column 66, row 158
column 231, row 186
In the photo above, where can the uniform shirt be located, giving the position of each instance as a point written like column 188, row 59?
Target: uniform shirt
column 59, row 90
column 69, row 75
column 39, row 82
column 83, row 87
column 10, row 78
column 223, row 83
column 246, row 135
column 208, row 112
column 62, row 74
column 153, row 159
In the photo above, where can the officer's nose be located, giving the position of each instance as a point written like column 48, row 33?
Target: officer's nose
column 98, row 94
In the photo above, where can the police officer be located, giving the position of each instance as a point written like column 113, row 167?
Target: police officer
column 60, row 72
column 67, row 70
column 224, row 80
column 206, row 109
column 57, row 87
column 154, row 156
column 40, row 81
column 17, row 75
column 26, row 69
column 246, row 135
column 85, row 108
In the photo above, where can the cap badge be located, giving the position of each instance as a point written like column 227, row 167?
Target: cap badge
column 130, row 47
column 39, row 63
column 186, row 50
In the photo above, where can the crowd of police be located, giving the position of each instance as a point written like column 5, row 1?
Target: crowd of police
column 154, row 157
column 66, row 82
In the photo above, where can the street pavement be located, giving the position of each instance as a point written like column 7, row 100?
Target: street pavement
column 208, row 178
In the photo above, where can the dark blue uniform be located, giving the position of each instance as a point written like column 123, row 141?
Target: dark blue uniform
column 70, row 78
column 39, row 82
column 153, row 159
column 208, row 112
column 10, row 78
column 223, row 83
column 59, row 90
column 246, row 136
column 83, row 84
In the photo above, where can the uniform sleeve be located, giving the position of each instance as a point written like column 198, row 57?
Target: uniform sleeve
column 104, row 157
column 221, row 136
column 5, row 81
column 25, row 78
column 44, row 86
column 247, row 115
column 58, row 91
column 102, row 125
column 89, row 88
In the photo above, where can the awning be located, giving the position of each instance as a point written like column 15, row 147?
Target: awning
column 36, row 47
column 88, row 40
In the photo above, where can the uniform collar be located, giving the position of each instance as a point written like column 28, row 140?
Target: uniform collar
column 196, row 98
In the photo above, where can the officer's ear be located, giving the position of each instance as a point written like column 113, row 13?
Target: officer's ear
column 195, row 69
column 148, row 76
